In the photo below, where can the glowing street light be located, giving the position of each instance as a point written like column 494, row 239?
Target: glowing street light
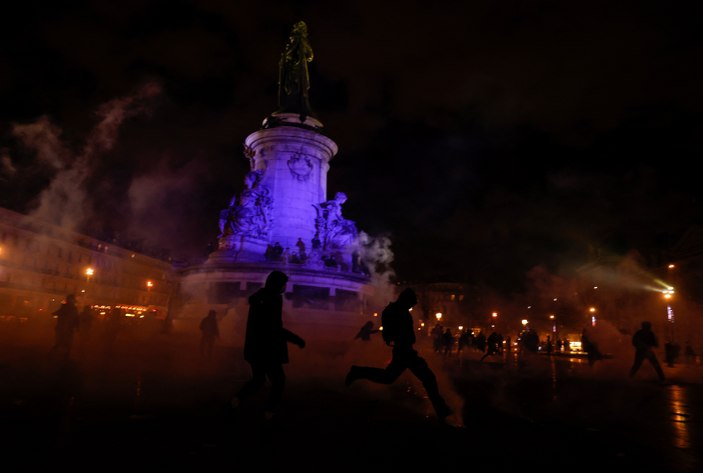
column 592, row 310
column 89, row 272
column 439, row 316
column 149, row 285
column 668, row 295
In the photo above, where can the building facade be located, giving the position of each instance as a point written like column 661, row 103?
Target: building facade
column 41, row 263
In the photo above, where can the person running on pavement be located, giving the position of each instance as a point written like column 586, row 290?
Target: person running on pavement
column 399, row 333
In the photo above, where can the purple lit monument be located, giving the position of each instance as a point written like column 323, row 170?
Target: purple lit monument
column 283, row 219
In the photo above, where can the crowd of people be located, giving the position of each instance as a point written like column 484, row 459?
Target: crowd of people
column 266, row 343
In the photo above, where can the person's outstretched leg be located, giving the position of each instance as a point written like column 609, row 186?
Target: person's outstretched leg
column 657, row 366
column 636, row 364
column 385, row 375
column 422, row 371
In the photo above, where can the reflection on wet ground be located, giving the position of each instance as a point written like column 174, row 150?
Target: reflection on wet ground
column 151, row 401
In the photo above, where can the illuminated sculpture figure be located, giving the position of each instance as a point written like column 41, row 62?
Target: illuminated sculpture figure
column 333, row 230
column 251, row 216
column 293, row 77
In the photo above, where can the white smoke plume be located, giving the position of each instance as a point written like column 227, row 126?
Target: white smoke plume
column 376, row 254
column 63, row 201
column 44, row 138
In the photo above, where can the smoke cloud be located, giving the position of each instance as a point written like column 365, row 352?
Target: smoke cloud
column 64, row 201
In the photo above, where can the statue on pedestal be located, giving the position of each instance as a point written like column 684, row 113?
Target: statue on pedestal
column 333, row 230
column 251, row 216
column 293, row 77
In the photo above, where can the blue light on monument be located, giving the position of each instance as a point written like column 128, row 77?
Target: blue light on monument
column 282, row 218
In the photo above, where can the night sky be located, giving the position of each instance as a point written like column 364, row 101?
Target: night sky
column 483, row 138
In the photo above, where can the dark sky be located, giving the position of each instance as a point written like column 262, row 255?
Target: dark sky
column 483, row 138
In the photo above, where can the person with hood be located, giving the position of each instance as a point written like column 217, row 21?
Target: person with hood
column 266, row 343
column 645, row 341
column 398, row 332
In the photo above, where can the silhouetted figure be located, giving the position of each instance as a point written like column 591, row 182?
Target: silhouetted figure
column 366, row 331
column 447, row 342
column 493, row 343
column 548, row 345
column 399, row 333
column 645, row 341
column 593, row 354
column 437, row 332
column 277, row 252
column 671, row 353
column 529, row 340
column 209, row 333
column 463, row 341
column 302, row 255
column 67, row 322
column 266, row 343
column 480, row 341
column 269, row 253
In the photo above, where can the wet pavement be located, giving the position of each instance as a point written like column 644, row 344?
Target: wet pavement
column 152, row 403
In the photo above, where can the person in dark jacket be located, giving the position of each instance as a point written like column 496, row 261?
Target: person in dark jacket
column 209, row 333
column 266, row 343
column 645, row 341
column 366, row 331
column 67, row 320
column 398, row 332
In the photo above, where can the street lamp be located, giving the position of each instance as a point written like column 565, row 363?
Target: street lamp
column 494, row 317
column 592, row 310
column 439, row 316
column 89, row 272
column 149, row 285
column 668, row 295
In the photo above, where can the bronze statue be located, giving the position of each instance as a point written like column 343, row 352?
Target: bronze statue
column 293, row 77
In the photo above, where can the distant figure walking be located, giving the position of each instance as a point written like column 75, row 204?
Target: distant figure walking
column 209, row 333
column 447, row 342
column 366, row 331
column 266, row 343
column 67, row 320
column 645, row 341
column 399, row 333
column 493, row 345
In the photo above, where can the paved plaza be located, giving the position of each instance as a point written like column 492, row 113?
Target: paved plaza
column 153, row 403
